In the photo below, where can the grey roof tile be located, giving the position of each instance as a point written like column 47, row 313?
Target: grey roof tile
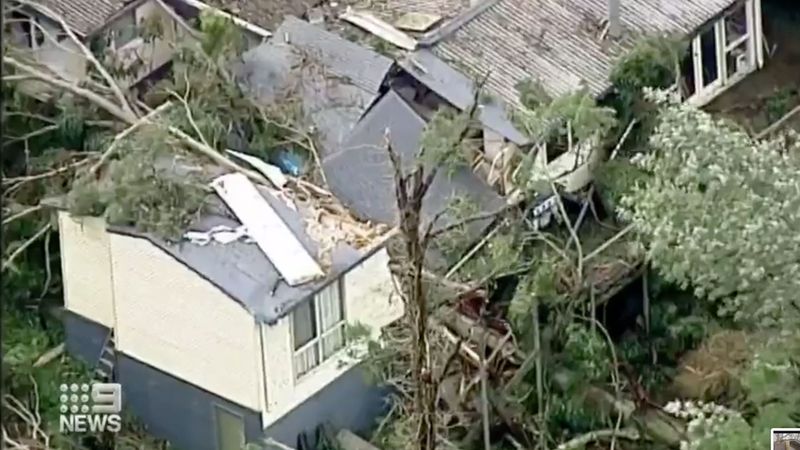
column 458, row 90
column 337, row 79
column 356, row 64
column 85, row 16
column 361, row 176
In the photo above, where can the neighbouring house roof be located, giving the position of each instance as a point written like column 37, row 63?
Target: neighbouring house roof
column 459, row 90
column 559, row 41
column 362, row 178
column 85, row 16
column 337, row 80
column 266, row 14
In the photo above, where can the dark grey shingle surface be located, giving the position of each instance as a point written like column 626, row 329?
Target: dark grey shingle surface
column 458, row 90
column 361, row 175
column 336, row 79
column 359, row 65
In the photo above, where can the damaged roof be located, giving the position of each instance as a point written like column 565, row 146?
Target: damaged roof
column 243, row 272
column 459, row 90
column 559, row 41
column 337, row 80
column 362, row 178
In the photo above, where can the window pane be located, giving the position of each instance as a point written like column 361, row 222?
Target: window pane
column 333, row 341
column 304, row 324
column 124, row 30
column 736, row 25
column 230, row 430
column 306, row 359
column 330, row 306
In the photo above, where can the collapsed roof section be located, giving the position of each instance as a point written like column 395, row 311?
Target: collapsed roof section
column 336, row 80
column 362, row 177
column 459, row 90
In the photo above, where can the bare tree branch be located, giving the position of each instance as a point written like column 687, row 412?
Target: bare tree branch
column 7, row 263
column 121, row 113
column 120, row 96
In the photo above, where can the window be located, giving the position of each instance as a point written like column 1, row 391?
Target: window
column 230, row 429
column 318, row 328
column 27, row 29
column 124, row 29
column 724, row 53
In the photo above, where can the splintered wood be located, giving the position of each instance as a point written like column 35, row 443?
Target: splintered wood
column 330, row 224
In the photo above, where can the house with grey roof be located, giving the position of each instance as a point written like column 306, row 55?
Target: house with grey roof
column 236, row 331
column 38, row 29
column 565, row 46
column 571, row 44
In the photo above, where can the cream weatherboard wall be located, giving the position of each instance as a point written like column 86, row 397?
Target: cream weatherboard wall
column 86, row 268
column 368, row 299
column 173, row 319
column 167, row 316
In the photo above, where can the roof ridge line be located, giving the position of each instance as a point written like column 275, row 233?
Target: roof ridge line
column 437, row 35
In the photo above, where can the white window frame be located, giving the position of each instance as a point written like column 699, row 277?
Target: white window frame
column 751, row 40
column 312, row 354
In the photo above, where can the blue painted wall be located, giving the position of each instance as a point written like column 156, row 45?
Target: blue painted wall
column 84, row 338
column 175, row 410
column 349, row 402
column 183, row 414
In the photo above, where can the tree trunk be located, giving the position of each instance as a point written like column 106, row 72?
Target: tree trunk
column 425, row 393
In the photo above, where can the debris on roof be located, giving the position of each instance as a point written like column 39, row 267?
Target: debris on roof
column 221, row 234
column 393, row 10
column 271, row 234
column 273, row 174
column 557, row 40
column 417, row 21
column 379, row 28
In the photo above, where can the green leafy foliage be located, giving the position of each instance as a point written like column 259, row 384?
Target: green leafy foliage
column 745, row 258
column 730, row 236
column 577, row 112
column 147, row 188
column 652, row 63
